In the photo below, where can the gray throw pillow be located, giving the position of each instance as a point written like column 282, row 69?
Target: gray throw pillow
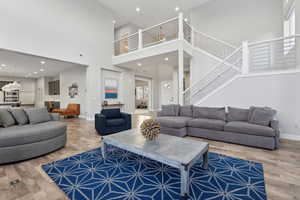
column 38, row 115
column 237, row 114
column 169, row 110
column 262, row 116
column 186, row 111
column 210, row 113
column 6, row 119
column 20, row 116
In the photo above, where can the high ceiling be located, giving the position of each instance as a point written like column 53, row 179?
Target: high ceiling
column 13, row 64
column 151, row 11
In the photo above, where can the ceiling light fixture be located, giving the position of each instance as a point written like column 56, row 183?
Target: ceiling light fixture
column 139, row 64
column 177, row 8
column 114, row 21
column 42, row 70
column 137, row 9
column 185, row 19
column 166, row 58
column 35, row 72
column 3, row 65
column 43, row 62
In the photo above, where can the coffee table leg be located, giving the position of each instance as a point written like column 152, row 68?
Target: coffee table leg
column 103, row 149
column 184, row 173
column 205, row 160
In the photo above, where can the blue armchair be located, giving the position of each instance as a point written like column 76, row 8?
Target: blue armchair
column 112, row 121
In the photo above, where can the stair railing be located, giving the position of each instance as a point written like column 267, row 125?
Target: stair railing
column 221, row 72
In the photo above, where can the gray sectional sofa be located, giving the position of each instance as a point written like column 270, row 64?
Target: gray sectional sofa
column 253, row 127
column 29, row 133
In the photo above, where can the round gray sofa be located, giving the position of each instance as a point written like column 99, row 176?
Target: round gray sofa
column 31, row 140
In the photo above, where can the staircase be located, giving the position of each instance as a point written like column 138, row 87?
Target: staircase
column 260, row 57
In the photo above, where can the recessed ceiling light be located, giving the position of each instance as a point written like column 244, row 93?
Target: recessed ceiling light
column 43, row 62
column 114, row 21
column 3, row 65
column 185, row 19
column 35, row 72
column 137, row 9
column 139, row 64
column 177, row 8
column 42, row 70
column 166, row 58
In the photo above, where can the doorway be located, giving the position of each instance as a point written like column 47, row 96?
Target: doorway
column 143, row 95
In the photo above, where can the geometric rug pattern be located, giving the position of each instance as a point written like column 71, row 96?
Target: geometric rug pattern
column 127, row 176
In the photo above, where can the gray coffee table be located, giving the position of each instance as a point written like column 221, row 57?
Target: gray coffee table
column 173, row 151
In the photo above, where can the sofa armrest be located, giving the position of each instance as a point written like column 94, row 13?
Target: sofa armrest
column 275, row 125
column 55, row 116
column 100, row 120
column 159, row 113
column 127, row 118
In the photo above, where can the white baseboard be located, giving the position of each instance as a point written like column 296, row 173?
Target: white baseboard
column 290, row 136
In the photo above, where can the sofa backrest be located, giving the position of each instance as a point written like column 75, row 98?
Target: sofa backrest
column 113, row 113
column 218, row 113
column 170, row 110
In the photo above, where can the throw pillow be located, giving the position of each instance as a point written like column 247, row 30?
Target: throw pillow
column 262, row 116
column 210, row 113
column 168, row 110
column 237, row 114
column 6, row 119
column 20, row 116
column 38, row 115
column 186, row 111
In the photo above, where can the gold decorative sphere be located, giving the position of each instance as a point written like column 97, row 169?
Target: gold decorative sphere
column 150, row 129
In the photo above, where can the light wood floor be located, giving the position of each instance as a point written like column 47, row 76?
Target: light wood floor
column 282, row 167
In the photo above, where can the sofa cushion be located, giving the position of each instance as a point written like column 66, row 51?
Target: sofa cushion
column 6, row 118
column 237, row 114
column 173, row 122
column 170, row 110
column 115, row 122
column 261, row 115
column 213, row 124
column 209, row 113
column 111, row 113
column 186, row 111
column 20, row 116
column 38, row 115
column 19, row 135
column 250, row 129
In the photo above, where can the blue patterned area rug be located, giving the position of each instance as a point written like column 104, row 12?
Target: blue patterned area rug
column 126, row 176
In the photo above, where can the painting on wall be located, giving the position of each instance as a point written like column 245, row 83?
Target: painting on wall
column 111, row 88
column 73, row 90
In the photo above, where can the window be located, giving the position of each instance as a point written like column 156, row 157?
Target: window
column 289, row 25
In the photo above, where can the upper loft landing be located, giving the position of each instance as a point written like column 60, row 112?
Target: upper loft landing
column 168, row 36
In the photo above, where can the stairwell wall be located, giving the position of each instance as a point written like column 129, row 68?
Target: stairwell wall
column 235, row 21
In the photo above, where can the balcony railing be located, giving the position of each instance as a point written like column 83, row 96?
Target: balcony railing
column 276, row 54
column 157, row 34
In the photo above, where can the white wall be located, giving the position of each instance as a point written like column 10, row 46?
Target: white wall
column 235, row 21
column 276, row 91
column 165, row 76
column 200, row 65
column 297, row 16
column 27, row 92
column 62, row 29
column 69, row 77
